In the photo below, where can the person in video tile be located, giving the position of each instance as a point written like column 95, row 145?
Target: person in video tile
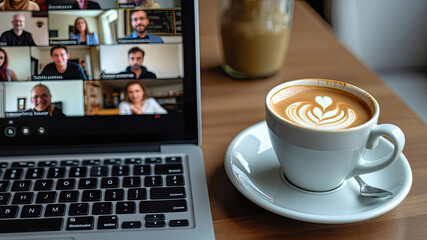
column 135, row 59
column 42, row 4
column 81, row 33
column 139, row 22
column 41, row 99
column 6, row 74
column 61, row 66
column 144, row 3
column 83, row 65
column 85, row 4
column 137, row 101
column 17, row 36
column 19, row 5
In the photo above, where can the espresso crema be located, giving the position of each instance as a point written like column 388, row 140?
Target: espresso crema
column 320, row 107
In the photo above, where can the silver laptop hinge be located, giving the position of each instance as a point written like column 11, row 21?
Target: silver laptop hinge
column 79, row 150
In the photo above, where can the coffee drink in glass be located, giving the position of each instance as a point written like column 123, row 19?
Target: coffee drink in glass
column 255, row 36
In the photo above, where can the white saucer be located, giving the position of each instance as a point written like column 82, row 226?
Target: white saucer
column 254, row 170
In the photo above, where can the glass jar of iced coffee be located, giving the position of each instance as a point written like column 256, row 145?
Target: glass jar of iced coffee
column 255, row 36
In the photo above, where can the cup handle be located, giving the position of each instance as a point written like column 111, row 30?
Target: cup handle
column 388, row 130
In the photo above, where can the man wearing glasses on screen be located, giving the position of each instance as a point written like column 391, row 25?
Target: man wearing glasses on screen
column 17, row 36
column 42, row 101
column 139, row 22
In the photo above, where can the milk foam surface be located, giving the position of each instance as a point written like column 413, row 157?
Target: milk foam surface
column 320, row 107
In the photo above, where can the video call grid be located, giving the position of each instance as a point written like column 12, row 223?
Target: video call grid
column 70, row 47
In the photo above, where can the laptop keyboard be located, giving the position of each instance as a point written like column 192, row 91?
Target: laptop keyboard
column 90, row 194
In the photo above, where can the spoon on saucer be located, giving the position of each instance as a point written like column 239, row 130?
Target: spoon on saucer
column 369, row 191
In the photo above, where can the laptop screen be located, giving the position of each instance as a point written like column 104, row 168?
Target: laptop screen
column 97, row 72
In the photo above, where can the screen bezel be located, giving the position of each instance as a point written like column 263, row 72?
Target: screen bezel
column 120, row 130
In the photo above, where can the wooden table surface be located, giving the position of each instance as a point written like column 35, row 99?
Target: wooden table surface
column 230, row 106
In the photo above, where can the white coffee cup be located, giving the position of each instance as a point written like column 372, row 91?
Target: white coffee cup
column 321, row 160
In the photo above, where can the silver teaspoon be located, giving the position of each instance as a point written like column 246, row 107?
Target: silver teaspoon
column 369, row 191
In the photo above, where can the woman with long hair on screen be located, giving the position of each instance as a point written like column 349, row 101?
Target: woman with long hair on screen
column 144, row 3
column 6, row 74
column 81, row 33
column 137, row 101
column 19, row 5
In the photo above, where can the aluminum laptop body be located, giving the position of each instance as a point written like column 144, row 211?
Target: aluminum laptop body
column 110, row 147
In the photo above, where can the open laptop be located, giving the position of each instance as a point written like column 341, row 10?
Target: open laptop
column 84, row 154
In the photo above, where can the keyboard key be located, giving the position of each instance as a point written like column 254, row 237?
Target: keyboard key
column 131, row 182
column 48, row 164
column 176, row 180
column 23, row 164
column 30, row 225
column 91, row 195
column 133, row 161
column 120, row 170
column 4, row 198
column 108, row 222
column 154, row 217
column 77, row 172
column 112, row 161
column 154, row 224
column 4, row 185
column 142, row 170
column 163, row 206
column 155, row 181
column 173, row 159
column 91, row 162
column 43, row 185
column 125, row 207
column 4, row 164
column 167, row 193
column 179, row 223
column 137, row 194
column 20, row 186
column 88, row 183
column 100, row 171
column 114, row 195
column 29, row 211
column 34, row 173
column 102, row 208
column 68, row 163
column 132, row 224
column 112, row 182
column 69, row 196
column 55, row 210
column 23, row 198
column 78, row 209
column 168, row 169
column 13, row 174
column 151, row 160
column 46, row 197
column 8, row 212
column 56, row 172
column 80, row 223
column 65, row 184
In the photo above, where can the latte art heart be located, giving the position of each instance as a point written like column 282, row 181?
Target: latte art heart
column 325, row 101
column 320, row 107
column 323, row 113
